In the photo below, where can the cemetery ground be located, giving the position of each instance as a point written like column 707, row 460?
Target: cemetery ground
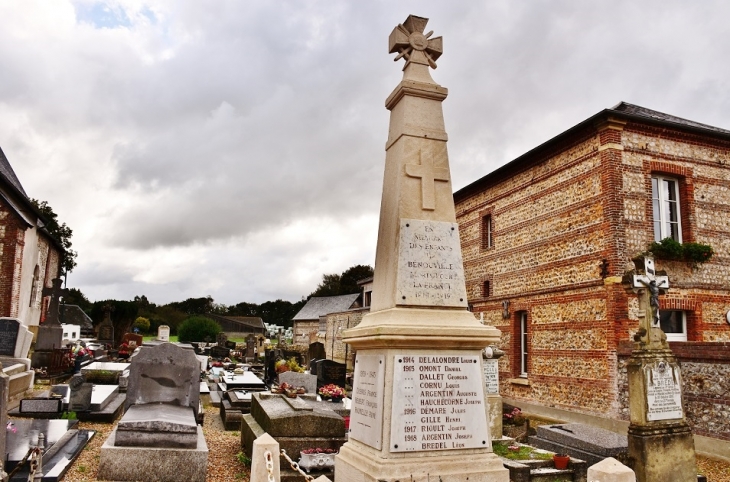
column 223, row 459
column 224, row 464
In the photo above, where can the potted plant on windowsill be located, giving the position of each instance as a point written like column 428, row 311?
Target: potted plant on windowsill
column 561, row 461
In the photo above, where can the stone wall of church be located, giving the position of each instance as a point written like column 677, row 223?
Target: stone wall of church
column 11, row 253
column 565, row 223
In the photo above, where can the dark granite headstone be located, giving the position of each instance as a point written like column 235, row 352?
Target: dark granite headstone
column 250, row 346
column 329, row 371
column 8, row 336
column 41, row 405
column 219, row 352
column 231, row 345
column 106, row 328
column 80, row 400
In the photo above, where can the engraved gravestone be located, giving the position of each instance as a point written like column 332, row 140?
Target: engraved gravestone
column 329, row 371
column 80, row 398
column 366, row 414
column 8, row 336
column 663, row 392
column 163, row 333
column 106, row 328
column 221, row 339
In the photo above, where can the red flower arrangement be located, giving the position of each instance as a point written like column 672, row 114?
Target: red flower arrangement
column 319, row 451
column 332, row 391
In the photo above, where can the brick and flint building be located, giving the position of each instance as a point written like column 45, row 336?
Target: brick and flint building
column 548, row 238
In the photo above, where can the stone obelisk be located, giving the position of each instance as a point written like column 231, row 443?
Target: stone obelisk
column 661, row 446
column 419, row 405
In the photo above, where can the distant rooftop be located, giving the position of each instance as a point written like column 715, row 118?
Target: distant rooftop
column 320, row 306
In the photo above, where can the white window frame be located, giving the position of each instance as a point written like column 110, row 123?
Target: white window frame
column 678, row 336
column 523, row 344
column 662, row 190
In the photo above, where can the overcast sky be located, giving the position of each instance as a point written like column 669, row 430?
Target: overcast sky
column 236, row 148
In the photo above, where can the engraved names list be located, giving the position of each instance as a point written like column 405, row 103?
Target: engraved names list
column 438, row 403
column 430, row 266
column 366, row 414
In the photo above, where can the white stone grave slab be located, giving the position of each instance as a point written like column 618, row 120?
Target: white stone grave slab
column 438, row 403
column 366, row 408
column 430, row 267
column 663, row 392
column 163, row 333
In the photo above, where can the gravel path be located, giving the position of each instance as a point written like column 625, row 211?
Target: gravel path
column 223, row 465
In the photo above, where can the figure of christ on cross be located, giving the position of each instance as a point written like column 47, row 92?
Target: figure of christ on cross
column 428, row 175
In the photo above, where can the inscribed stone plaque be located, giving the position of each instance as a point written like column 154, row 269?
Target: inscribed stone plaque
column 491, row 376
column 430, row 267
column 663, row 392
column 366, row 410
column 8, row 336
column 438, row 403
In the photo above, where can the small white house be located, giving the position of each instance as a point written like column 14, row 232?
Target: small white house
column 71, row 333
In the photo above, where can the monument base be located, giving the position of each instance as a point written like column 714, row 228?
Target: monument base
column 662, row 453
column 148, row 464
column 357, row 462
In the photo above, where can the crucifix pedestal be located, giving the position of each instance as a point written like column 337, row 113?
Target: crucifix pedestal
column 661, row 446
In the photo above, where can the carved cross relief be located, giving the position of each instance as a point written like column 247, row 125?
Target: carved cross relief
column 428, row 174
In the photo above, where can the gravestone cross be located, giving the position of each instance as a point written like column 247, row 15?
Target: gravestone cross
column 650, row 286
column 428, row 175
column 106, row 328
column 660, row 441
column 55, row 292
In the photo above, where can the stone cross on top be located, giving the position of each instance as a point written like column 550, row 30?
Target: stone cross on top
column 412, row 44
column 55, row 292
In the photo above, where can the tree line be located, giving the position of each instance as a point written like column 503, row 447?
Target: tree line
column 124, row 313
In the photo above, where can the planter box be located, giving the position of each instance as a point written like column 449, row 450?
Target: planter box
column 316, row 461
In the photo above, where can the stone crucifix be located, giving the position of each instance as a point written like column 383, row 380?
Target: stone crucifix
column 55, row 292
column 651, row 286
column 428, row 175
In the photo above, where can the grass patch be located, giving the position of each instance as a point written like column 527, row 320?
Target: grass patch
column 524, row 452
column 173, row 338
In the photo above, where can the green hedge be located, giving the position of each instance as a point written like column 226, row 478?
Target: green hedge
column 198, row 328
